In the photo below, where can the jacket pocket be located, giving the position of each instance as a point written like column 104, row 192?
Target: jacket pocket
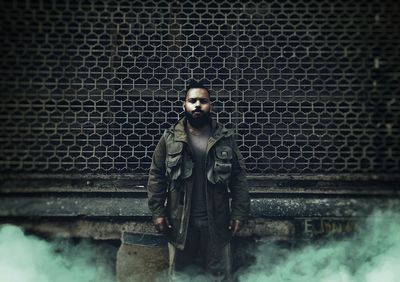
column 174, row 162
column 222, row 164
column 187, row 167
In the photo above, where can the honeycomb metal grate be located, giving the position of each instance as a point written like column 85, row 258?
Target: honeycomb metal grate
column 308, row 85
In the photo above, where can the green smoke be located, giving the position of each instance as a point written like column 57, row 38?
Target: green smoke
column 371, row 255
column 29, row 259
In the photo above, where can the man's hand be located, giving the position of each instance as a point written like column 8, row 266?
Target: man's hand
column 235, row 226
column 160, row 223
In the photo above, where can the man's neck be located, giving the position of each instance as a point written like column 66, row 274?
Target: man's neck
column 197, row 131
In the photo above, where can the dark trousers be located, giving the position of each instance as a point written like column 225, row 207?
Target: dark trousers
column 201, row 249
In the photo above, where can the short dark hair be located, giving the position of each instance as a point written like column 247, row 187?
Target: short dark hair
column 196, row 84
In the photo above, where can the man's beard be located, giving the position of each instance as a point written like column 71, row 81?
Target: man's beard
column 200, row 121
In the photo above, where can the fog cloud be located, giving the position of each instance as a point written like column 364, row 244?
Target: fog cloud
column 371, row 255
column 29, row 259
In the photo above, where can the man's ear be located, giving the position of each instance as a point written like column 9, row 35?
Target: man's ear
column 183, row 105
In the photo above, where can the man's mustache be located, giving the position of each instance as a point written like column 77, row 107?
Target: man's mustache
column 197, row 111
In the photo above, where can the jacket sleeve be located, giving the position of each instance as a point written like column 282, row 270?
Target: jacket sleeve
column 157, row 181
column 240, row 204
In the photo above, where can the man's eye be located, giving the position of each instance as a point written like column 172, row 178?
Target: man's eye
column 202, row 101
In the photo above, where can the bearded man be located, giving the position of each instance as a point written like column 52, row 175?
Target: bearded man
column 194, row 167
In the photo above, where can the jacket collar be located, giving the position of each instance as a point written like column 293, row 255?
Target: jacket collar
column 217, row 130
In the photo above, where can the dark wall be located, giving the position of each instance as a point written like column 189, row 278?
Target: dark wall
column 308, row 85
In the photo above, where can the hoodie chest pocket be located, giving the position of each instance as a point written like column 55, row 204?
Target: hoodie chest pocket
column 222, row 164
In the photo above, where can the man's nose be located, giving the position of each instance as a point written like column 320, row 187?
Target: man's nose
column 197, row 104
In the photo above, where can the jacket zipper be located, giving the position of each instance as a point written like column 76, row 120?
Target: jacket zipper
column 184, row 201
column 206, row 173
column 183, row 212
column 206, row 159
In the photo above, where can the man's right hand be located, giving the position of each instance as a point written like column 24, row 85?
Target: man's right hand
column 160, row 223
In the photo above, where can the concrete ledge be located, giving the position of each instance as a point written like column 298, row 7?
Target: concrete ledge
column 95, row 206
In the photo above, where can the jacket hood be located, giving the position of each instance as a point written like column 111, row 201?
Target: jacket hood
column 217, row 130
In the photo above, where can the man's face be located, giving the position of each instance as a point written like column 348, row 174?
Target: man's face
column 197, row 107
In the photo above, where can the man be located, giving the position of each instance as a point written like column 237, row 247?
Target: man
column 194, row 164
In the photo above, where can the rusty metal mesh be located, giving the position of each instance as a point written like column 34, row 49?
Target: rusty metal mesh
column 308, row 85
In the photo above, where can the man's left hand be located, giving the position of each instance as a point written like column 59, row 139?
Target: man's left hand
column 235, row 226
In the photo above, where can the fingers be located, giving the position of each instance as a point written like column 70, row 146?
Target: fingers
column 161, row 225
column 161, row 228
column 235, row 226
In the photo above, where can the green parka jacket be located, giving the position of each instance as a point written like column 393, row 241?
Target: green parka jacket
column 170, row 183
